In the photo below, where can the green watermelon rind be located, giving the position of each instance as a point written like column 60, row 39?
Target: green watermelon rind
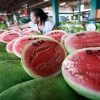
column 67, row 47
column 23, row 61
column 4, row 56
column 70, row 50
column 52, row 88
column 77, row 87
column 2, row 46
column 63, row 37
column 11, row 73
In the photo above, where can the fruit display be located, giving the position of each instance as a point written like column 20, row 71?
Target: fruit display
column 57, row 65
column 49, row 49
column 76, row 26
column 72, row 26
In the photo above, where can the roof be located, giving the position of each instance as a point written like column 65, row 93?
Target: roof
column 15, row 5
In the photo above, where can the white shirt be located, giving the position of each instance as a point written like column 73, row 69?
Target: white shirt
column 47, row 27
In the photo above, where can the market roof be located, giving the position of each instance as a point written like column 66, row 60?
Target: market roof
column 15, row 5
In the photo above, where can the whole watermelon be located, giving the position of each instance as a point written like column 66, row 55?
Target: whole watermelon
column 3, row 26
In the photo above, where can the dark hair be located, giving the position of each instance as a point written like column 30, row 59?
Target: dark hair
column 38, row 12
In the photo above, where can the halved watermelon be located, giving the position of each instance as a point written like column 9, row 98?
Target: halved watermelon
column 16, row 30
column 43, row 57
column 31, row 31
column 81, row 40
column 56, row 34
column 7, row 37
column 2, row 33
column 10, row 45
column 81, row 70
column 20, row 43
column 63, row 38
column 25, row 29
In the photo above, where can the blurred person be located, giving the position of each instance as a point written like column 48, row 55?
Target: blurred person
column 39, row 21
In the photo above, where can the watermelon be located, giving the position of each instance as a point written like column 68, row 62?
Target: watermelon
column 80, row 70
column 3, row 26
column 20, row 43
column 31, row 31
column 63, row 38
column 6, row 38
column 25, row 29
column 11, row 73
column 10, row 45
column 7, row 56
column 82, row 40
column 2, row 47
column 56, row 34
column 52, row 88
column 43, row 58
column 16, row 30
column 2, row 33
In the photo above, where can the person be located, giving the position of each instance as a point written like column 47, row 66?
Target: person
column 39, row 21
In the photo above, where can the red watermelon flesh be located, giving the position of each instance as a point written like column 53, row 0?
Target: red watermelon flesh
column 31, row 31
column 25, row 29
column 81, row 70
column 20, row 43
column 43, row 58
column 82, row 40
column 56, row 34
column 16, row 30
column 2, row 35
column 9, row 37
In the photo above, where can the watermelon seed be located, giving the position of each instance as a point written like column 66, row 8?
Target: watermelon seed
column 36, row 38
column 47, row 66
column 81, row 34
column 35, row 44
column 38, row 43
column 33, row 54
column 30, row 38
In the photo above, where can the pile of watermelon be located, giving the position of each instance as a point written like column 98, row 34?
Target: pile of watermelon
column 53, row 66
column 79, row 26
